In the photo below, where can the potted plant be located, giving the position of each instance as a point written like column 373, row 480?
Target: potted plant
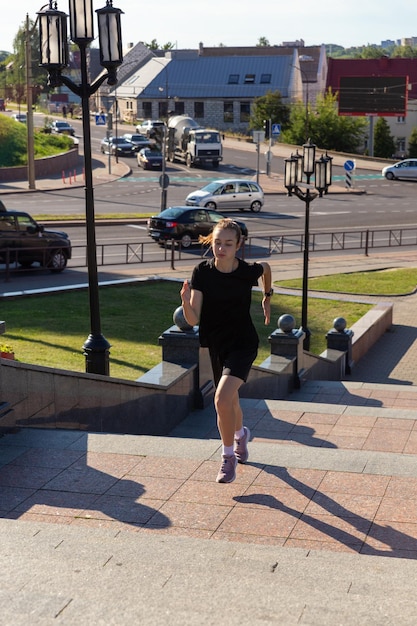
column 6, row 351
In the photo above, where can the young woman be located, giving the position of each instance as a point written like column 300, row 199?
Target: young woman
column 218, row 299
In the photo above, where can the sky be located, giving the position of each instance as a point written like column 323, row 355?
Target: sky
column 186, row 23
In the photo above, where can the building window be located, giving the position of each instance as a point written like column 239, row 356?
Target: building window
column 147, row 110
column 163, row 109
column 178, row 108
column 199, row 110
column 233, row 79
column 266, row 79
column 244, row 111
column 401, row 119
column 228, row 112
column 401, row 143
column 249, row 79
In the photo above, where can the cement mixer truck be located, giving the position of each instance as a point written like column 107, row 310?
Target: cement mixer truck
column 190, row 143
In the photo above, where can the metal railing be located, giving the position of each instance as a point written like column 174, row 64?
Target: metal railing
column 262, row 246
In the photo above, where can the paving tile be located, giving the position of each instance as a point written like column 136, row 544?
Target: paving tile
column 385, row 440
column 56, row 503
column 115, row 464
column 165, row 468
column 153, row 487
column 82, row 480
column 349, row 531
column 49, row 457
column 190, row 515
column 127, row 510
column 12, row 497
column 354, row 484
column 29, row 477
column 253, row 539
column 344, row 505
column 274, row 521
column 208, row 492
column 394, row 509
column 393, row 539
column 400, row 487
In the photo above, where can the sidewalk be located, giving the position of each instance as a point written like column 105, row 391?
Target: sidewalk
column 319, row 528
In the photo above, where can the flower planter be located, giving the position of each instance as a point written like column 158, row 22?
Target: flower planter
column 7, row 355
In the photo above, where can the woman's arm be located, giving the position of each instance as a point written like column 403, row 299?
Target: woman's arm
column 192, row 301
column 266, row 287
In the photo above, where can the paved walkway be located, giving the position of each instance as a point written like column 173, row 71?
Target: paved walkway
column 319, row 528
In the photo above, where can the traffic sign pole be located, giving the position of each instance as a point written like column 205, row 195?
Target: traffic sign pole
column 349, row 166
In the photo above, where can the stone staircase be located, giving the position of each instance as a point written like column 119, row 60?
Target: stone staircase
column 331, row 484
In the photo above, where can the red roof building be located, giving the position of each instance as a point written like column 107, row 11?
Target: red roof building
column 405, row 69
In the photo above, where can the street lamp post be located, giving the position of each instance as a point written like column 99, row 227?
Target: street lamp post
column 295, row 167
column 164, row 180
column 54, row 57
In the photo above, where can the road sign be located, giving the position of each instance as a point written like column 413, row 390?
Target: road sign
column 258, row 136
column 164, row 181
column 349, row 165
column 276, row 129
column 100, row 120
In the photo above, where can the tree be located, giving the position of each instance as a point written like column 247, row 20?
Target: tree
column 154, row 45
column 384, row 145
column 13, row 79
column 370, row 52
column 262, row 42
column 412, row 144
column 327, row 129
column 269, row 107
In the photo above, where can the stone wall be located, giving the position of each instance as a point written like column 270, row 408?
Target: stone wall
column 44, row 168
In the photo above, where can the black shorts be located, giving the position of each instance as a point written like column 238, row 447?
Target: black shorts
column 232, row 363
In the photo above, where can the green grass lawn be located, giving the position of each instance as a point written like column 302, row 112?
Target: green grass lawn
column 50, row 330
column 389, row 282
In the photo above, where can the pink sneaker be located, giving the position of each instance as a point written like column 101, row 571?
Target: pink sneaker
column 227, row 471
column 241, row 447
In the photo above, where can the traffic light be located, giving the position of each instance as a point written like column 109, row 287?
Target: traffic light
column 267, row 128
column 156, row 136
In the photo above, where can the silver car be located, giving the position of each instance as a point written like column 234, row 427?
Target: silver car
column 402, row 169
column 228, row 194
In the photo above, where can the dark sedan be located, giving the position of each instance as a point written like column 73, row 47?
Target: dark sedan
column 185, row 224
column 150, row 159
column 117, row 145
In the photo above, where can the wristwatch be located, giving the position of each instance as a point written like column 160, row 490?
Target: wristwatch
column 268, row 294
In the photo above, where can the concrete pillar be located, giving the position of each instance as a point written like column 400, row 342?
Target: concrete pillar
column 340, row 338
column 288, row 342
column 181, row 345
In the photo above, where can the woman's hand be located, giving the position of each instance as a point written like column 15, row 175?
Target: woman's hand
column 185, row 292
column 266, row 305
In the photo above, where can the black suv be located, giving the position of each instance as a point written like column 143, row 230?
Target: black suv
column 24, row 241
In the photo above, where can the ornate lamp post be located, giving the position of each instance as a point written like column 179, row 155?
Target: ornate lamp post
column 54, row 57
column 295, row 167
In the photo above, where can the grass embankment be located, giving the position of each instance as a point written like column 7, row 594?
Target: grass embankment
column 388, row 282
column 50, row 330
column 13, row 141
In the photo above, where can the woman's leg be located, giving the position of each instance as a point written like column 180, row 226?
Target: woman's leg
column 229, row 412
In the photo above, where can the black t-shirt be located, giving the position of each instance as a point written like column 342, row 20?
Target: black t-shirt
column 225, row 320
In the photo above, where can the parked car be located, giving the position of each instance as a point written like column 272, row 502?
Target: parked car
column 185, row 224
column 29, row 242
column 150, row 159
column 62, row 127
column 403, row 169
column 138, row 140
column 117, row 145
column 147, row 126
column 20, row 117
column 228, row 194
